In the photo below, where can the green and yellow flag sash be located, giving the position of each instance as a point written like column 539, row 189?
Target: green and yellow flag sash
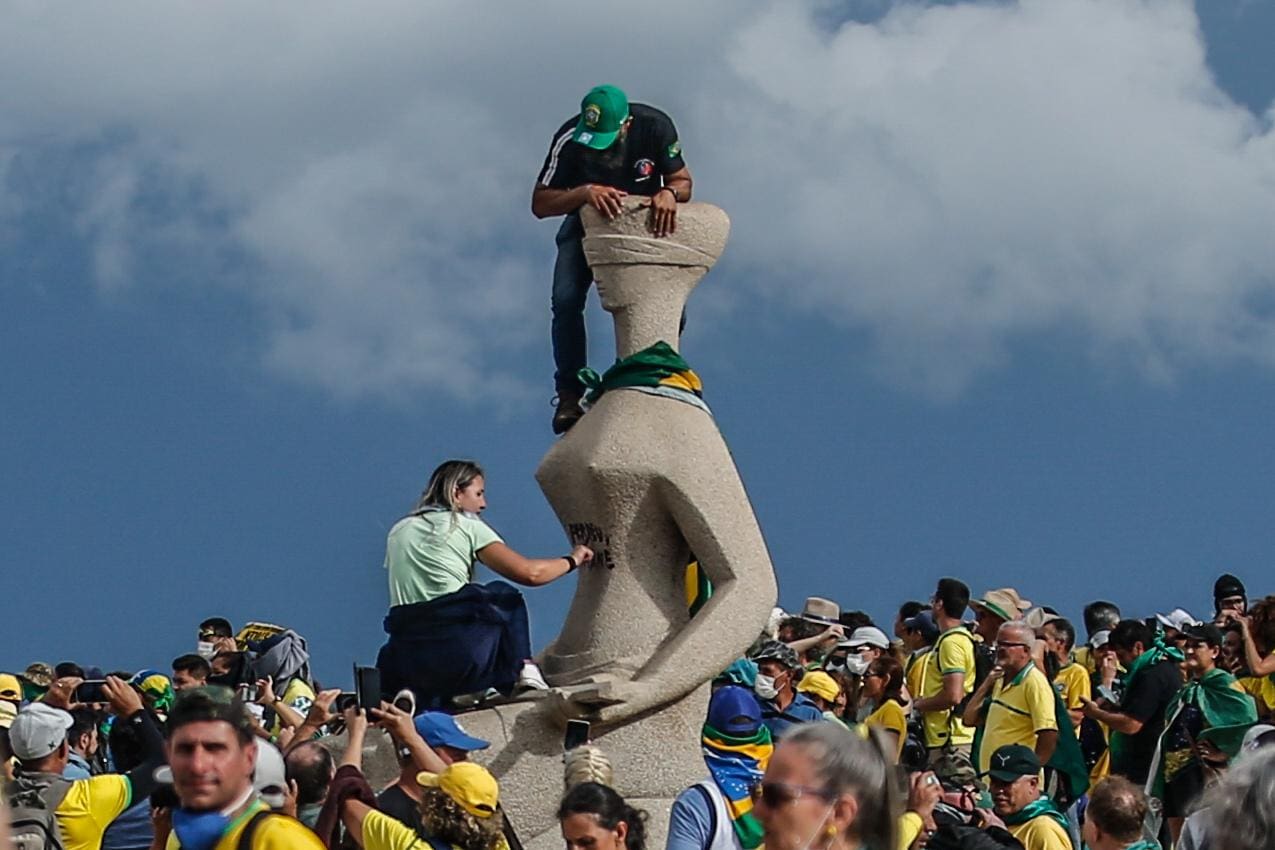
column 735, row 765
column 658, row 366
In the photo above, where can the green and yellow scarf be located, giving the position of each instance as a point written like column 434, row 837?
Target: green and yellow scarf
column 736, row 764
column 1222, row 702
column 658, row 366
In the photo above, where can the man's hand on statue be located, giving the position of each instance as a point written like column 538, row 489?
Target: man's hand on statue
column 663, row 213
column 582, row 555
column 606, row 199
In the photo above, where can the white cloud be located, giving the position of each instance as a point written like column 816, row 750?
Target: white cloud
column 948, row 178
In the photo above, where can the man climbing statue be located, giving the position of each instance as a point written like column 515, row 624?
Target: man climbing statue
column 611, row 149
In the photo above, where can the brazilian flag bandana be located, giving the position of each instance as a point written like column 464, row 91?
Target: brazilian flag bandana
column 656, row 367
column 736, row 764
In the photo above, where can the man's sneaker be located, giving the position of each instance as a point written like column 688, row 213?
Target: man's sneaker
column 405, row 700
column 531, row 679
column 568, row 412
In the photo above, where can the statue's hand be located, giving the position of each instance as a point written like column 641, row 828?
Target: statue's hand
column 607, row 701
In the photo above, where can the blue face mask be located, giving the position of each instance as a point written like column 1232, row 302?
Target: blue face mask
column 199, row 830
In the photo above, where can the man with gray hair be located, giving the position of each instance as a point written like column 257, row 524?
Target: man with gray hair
column 1015, row 703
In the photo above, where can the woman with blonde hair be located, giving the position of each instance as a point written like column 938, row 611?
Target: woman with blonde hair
column 449, row 635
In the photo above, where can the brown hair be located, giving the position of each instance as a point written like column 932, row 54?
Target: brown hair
column 443, row 818
column 1263, row 623
column 892, row 672
column 1118, row 808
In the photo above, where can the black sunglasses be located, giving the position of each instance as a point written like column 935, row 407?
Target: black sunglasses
column 776, row 794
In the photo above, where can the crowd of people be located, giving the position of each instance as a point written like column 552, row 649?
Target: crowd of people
column 976, row 721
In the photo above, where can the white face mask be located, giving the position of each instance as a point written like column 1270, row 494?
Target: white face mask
column 856, row 665
column 205, row 650
column 765, row 688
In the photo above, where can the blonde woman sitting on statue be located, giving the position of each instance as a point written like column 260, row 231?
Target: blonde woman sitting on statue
column 449, row 635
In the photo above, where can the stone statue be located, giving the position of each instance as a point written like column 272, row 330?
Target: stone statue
column 644, row 479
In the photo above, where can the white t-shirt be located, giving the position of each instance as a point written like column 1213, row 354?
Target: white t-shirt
column 433, row 554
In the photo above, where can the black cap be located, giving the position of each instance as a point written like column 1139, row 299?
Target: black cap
column 1206, row 632
column 1012, row 762
column 1228, row 585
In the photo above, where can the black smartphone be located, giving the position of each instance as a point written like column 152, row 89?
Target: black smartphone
column 346, row 699
column 577, row 735
column 367, row 684
column 90, row 690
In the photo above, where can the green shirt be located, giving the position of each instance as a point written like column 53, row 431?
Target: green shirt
column 433, row 554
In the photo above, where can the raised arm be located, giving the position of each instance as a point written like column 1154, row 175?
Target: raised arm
column 532, row 572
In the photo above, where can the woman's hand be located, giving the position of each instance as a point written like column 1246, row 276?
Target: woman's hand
column 581, row 555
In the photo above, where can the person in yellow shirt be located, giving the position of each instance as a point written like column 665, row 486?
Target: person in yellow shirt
column 919, row 635
column 1015, row 703
column 1072, row 679
column 213, row 753
column 949, row 676
column 83, row 808
column 460, row 807
column 1014, row 780
column 883, row 690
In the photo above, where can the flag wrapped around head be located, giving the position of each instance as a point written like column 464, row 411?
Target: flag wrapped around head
column 737, row 758
column 156, row 687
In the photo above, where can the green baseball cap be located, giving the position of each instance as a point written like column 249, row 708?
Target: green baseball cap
column 1013, row 761
column 602, row 112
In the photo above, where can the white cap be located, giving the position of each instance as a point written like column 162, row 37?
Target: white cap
column 270, row 777
column 1099, row 638
column 1178, row 618
column 37, row 730
column 867, row 635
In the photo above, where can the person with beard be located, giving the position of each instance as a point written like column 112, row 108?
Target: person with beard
column 611, row 149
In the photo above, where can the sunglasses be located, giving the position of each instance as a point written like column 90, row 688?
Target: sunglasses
column 777, row 794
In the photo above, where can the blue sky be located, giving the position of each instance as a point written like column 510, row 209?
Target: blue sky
column 246, row 308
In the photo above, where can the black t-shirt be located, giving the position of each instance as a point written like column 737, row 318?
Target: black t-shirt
column 649, row 152
column 394, row 802
column 1145, row 699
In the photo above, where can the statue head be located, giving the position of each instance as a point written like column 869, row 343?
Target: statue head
column 632, row 266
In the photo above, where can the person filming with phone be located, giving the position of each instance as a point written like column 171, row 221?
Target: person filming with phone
column 81, row 809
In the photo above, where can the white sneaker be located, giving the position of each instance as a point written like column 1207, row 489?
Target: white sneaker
column 531, row 679
column 405, row 700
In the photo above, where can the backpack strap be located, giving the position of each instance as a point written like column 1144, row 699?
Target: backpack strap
column 250, row 828
column 712, row 810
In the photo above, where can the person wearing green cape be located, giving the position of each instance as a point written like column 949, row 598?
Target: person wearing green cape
column 1211, row 699
column 1150, row 681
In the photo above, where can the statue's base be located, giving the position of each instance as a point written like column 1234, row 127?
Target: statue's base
column 654, row 758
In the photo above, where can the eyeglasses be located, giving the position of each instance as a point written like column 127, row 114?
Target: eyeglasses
column 1009, row 643
column 776, row 794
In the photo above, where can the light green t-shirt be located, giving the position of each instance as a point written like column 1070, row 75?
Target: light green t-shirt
column 431, row 555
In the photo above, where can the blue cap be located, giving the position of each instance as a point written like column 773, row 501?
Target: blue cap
column 442, row 730
column 734, row 711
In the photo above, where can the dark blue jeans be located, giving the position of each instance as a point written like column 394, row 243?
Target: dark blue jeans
column 461, row 643
column 571, row 281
